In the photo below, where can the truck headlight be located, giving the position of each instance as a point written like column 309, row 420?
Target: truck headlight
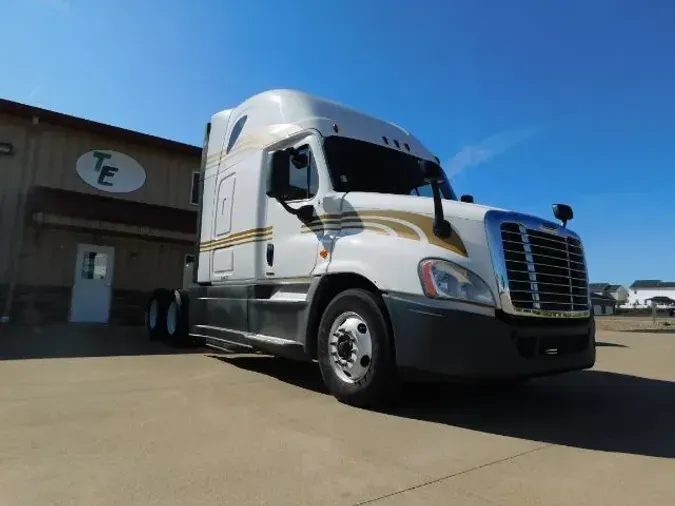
column 445, row 280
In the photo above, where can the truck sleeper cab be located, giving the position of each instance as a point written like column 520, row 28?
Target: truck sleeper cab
column 327, row 234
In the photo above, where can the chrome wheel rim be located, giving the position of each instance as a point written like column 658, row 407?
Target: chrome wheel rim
column 171, row 314
column 350, row 347
column 152, row 314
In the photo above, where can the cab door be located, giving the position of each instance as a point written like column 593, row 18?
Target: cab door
column 296, row 245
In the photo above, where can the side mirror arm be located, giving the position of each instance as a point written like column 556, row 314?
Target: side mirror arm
column 442, row 228
column 304, row 213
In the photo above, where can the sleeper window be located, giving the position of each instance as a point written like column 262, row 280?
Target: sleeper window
column 236, row 132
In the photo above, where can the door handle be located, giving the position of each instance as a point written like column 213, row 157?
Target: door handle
column 270, row 254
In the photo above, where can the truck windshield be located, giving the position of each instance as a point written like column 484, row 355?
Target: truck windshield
column 365, row 167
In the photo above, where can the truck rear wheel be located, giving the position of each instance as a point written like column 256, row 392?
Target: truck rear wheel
column 177, row 318
column 355, row 350
column 155, row 315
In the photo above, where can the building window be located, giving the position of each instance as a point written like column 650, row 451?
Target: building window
column 194, row 191
column 94, row 265
column 236, row 132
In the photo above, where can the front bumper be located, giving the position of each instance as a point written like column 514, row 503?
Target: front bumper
column 453, row 342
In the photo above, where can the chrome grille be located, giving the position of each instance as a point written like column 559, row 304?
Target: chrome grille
column 544, row 271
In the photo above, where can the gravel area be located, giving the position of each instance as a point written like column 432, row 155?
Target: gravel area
column 635, row 324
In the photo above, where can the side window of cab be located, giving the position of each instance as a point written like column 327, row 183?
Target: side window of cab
column 303, row 175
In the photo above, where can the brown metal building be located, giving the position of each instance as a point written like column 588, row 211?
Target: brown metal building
column 92, row 217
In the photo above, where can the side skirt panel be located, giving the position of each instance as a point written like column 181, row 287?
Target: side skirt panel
column 224, row 338
column 269, row 316
column 279, row 309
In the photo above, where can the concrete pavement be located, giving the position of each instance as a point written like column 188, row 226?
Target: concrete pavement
column 104, row 417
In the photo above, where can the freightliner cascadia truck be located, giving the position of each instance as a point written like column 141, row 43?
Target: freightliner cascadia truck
column 327, row 235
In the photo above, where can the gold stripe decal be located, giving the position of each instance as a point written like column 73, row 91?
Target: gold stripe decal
column 238, row 239
column 413, row 226
column 256, row 140
column 243, row 233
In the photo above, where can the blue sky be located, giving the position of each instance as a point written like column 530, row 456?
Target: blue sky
column 527, row 102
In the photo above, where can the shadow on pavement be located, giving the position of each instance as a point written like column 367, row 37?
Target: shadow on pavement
column 668, row 330
column 595, row 410
column 606, row 344
column 302, row 374
column 74, row 340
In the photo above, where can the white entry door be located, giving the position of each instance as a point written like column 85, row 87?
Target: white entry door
column 93, row 284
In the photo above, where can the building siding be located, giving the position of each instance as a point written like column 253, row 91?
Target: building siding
column 48, row 259
column 12, row 190
column 48, row 266
column 38, row 260
column 168, row 177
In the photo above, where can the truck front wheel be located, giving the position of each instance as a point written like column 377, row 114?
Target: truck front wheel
column 355, row 350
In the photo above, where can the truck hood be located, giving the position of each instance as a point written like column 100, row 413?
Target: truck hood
column 411, row 217
column 402, row 233
column 453, row 210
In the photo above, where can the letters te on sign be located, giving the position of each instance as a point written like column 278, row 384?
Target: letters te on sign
column 110, row 171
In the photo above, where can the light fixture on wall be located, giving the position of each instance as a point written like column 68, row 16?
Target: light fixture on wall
column 6, row 148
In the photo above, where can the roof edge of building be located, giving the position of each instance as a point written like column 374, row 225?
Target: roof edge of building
column 18, row 109
column 652, row 283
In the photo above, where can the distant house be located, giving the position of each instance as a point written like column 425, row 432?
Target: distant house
column 603, row 304
column 618, row 292
column 642, row 291
column 662, row 301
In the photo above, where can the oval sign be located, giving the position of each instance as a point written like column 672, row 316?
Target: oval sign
column 110, row 171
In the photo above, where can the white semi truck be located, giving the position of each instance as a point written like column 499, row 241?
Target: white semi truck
column 326, row 234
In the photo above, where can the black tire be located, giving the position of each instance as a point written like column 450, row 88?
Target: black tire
column 379, row 385
column 178, row 334
column 158, row 331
